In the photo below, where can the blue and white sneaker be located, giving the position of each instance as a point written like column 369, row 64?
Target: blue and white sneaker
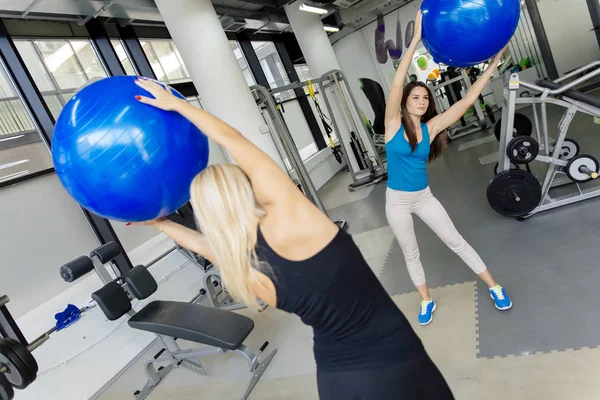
column 426, row 313
column 500, row 298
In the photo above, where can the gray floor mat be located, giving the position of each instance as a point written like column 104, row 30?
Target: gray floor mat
column 554, row 288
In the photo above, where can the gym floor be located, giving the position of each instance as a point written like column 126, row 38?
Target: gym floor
column 545, row 347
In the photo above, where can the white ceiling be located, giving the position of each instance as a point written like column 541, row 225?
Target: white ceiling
column 139, row 10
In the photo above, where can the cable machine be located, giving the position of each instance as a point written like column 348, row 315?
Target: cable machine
column 284, row 143
column 366, row 167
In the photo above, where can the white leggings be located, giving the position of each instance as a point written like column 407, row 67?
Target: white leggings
column 400, row 206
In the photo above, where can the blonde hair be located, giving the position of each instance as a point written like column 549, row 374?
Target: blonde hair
column 227, row 213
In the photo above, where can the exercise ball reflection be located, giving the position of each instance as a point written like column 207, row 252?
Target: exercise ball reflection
column 463, row 33
column 124, row 160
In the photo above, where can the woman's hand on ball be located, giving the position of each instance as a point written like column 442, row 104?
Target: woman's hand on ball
column 153, row 222
column 163, row 97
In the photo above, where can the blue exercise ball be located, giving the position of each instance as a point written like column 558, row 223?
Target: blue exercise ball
column 122, row 159
column 463, row 33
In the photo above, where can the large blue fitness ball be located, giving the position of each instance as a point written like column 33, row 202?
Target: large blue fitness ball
column 462, row 33
column 122, row 159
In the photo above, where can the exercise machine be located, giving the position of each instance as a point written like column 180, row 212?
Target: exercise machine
column 374, row 93
column 286, row 148
column 366, row 167
column 212, row 291
column 326, row 122
column 521, row 194
column 223, row 331
column 452, row 83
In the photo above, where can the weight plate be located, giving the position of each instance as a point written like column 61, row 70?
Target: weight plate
column 6, row 390
column 522, row 126
column 512, row 166
column 514, row 193
column 522, row 149
column 25, row 356
column 573, row 168
column 569, row 150
column 18, row 374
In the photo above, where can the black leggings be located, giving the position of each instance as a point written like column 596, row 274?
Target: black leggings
column 414, row 379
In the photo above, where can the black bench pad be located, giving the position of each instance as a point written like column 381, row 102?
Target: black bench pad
column 571, row 93
column 211, row 326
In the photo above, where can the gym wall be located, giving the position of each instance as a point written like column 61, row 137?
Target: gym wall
column 42, row 228
column 357, row 62
column 570, row 33
column 357, row 56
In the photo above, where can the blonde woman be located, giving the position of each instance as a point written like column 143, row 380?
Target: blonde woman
column 271, row 243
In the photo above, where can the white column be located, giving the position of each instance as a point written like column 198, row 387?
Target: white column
column 320, row 58
column 204, row 47
column 313, row 40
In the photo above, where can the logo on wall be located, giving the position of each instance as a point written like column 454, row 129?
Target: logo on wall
column 394, row 49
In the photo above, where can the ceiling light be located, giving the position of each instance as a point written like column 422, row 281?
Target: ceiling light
column 312, row 9
column 331, row 28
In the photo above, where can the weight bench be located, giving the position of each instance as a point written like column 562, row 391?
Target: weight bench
column 222, row 330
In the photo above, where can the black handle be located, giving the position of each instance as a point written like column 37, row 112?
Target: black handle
column 75, row 269
column 106, row 253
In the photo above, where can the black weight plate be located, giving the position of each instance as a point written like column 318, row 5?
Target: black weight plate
column 522, row 149
column 514, row 193
column 512, row 166
column 25, row 356
column 18, row 374
column 522, row 126
column 6, row 390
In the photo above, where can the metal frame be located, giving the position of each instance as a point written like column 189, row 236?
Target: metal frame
column 284, row 143
column 542, row 38
column 555, row 175
column 176, row 357
column 480, row 123
column 344, row 97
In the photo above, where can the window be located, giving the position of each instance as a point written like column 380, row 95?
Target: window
column 243, row 63
column 273, row 68
column 195, row 101
column 123, row 57
column 166, row 61
column 60, row 67
column 22, row 151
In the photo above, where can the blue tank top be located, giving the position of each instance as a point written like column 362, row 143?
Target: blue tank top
column 407, row 169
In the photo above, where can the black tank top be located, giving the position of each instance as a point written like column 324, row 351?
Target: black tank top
column 356, row 324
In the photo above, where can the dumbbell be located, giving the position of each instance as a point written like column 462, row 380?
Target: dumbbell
column 18, row 368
